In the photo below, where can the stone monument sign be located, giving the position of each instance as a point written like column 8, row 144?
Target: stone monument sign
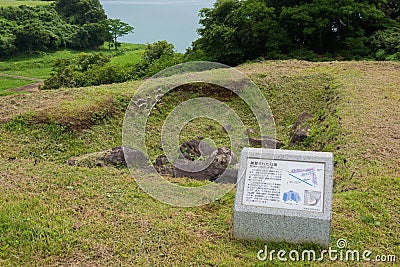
column 284, row 195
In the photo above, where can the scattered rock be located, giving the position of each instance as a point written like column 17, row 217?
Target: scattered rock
column 228, row 177
column 161, row 160
column 100, row 164
column 163, row 166
column 223, row 157
column 227, row 127
column 210, row 128
column 115, row 157
column 71, row 162
column 111, row 157
column 195, row 149
column 251, row 131
column 301, row 120
column 210, row 169
column 299, row 135
column 264, row 142
column 300, row 130
column 130, row 157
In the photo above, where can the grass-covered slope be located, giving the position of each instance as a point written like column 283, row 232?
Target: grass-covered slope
column 53, row 214
column 39, row 65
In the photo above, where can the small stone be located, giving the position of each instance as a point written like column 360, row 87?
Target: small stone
column 77, row 226
column 251, row 131
column 135, row 158
column 299, row 136
column 301, row 119
column 100, row 164
column 71, row 162
column 163, row 166
column 264, row 142
column 227, row 127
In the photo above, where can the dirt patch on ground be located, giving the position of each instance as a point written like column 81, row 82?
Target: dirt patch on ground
column 34, row 87
column 15, row 105
column 20, row 77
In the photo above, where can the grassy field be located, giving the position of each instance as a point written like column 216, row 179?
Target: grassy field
column 39, row 65
column 53, row 214
column 23, row 2
column 7, row 83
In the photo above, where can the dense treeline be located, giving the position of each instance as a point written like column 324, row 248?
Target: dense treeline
column 66, row 24
column 234, row 31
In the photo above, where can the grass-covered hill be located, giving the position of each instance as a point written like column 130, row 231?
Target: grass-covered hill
column 53, row 214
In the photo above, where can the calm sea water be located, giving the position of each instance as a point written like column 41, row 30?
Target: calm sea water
column 173, row 20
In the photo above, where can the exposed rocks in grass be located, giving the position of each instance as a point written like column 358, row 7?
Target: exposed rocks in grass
column 163, row 166
column 111, row 157
column 250, row 131
column 210, row 169
column 227, row 128
column 210, row 128
column 194, row 149
column 299, row 136
column 264, row 142
column 134, row 157
column 301, row 120
column 198, row 161
column 300, row 130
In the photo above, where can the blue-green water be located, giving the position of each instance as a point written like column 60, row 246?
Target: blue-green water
column 173, row 20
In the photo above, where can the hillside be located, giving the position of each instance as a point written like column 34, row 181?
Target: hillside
column 54, row 214
column 25, row 72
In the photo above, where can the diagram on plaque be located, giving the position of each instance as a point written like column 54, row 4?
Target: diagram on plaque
column 284, row 184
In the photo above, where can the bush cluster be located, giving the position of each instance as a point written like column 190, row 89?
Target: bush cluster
column 88, row 69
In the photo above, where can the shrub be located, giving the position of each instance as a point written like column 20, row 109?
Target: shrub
column 156, row 57
column 86, row 70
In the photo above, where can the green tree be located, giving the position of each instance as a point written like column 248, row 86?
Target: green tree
column 7, row 37
column 156, row 50
column 155, row 58
column 26, row 28
column 85, row 61
column 80, row 12
column 118, row 28
column 90, row 16
column 234, row 31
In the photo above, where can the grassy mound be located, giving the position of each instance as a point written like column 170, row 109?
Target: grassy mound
column 55, row 214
